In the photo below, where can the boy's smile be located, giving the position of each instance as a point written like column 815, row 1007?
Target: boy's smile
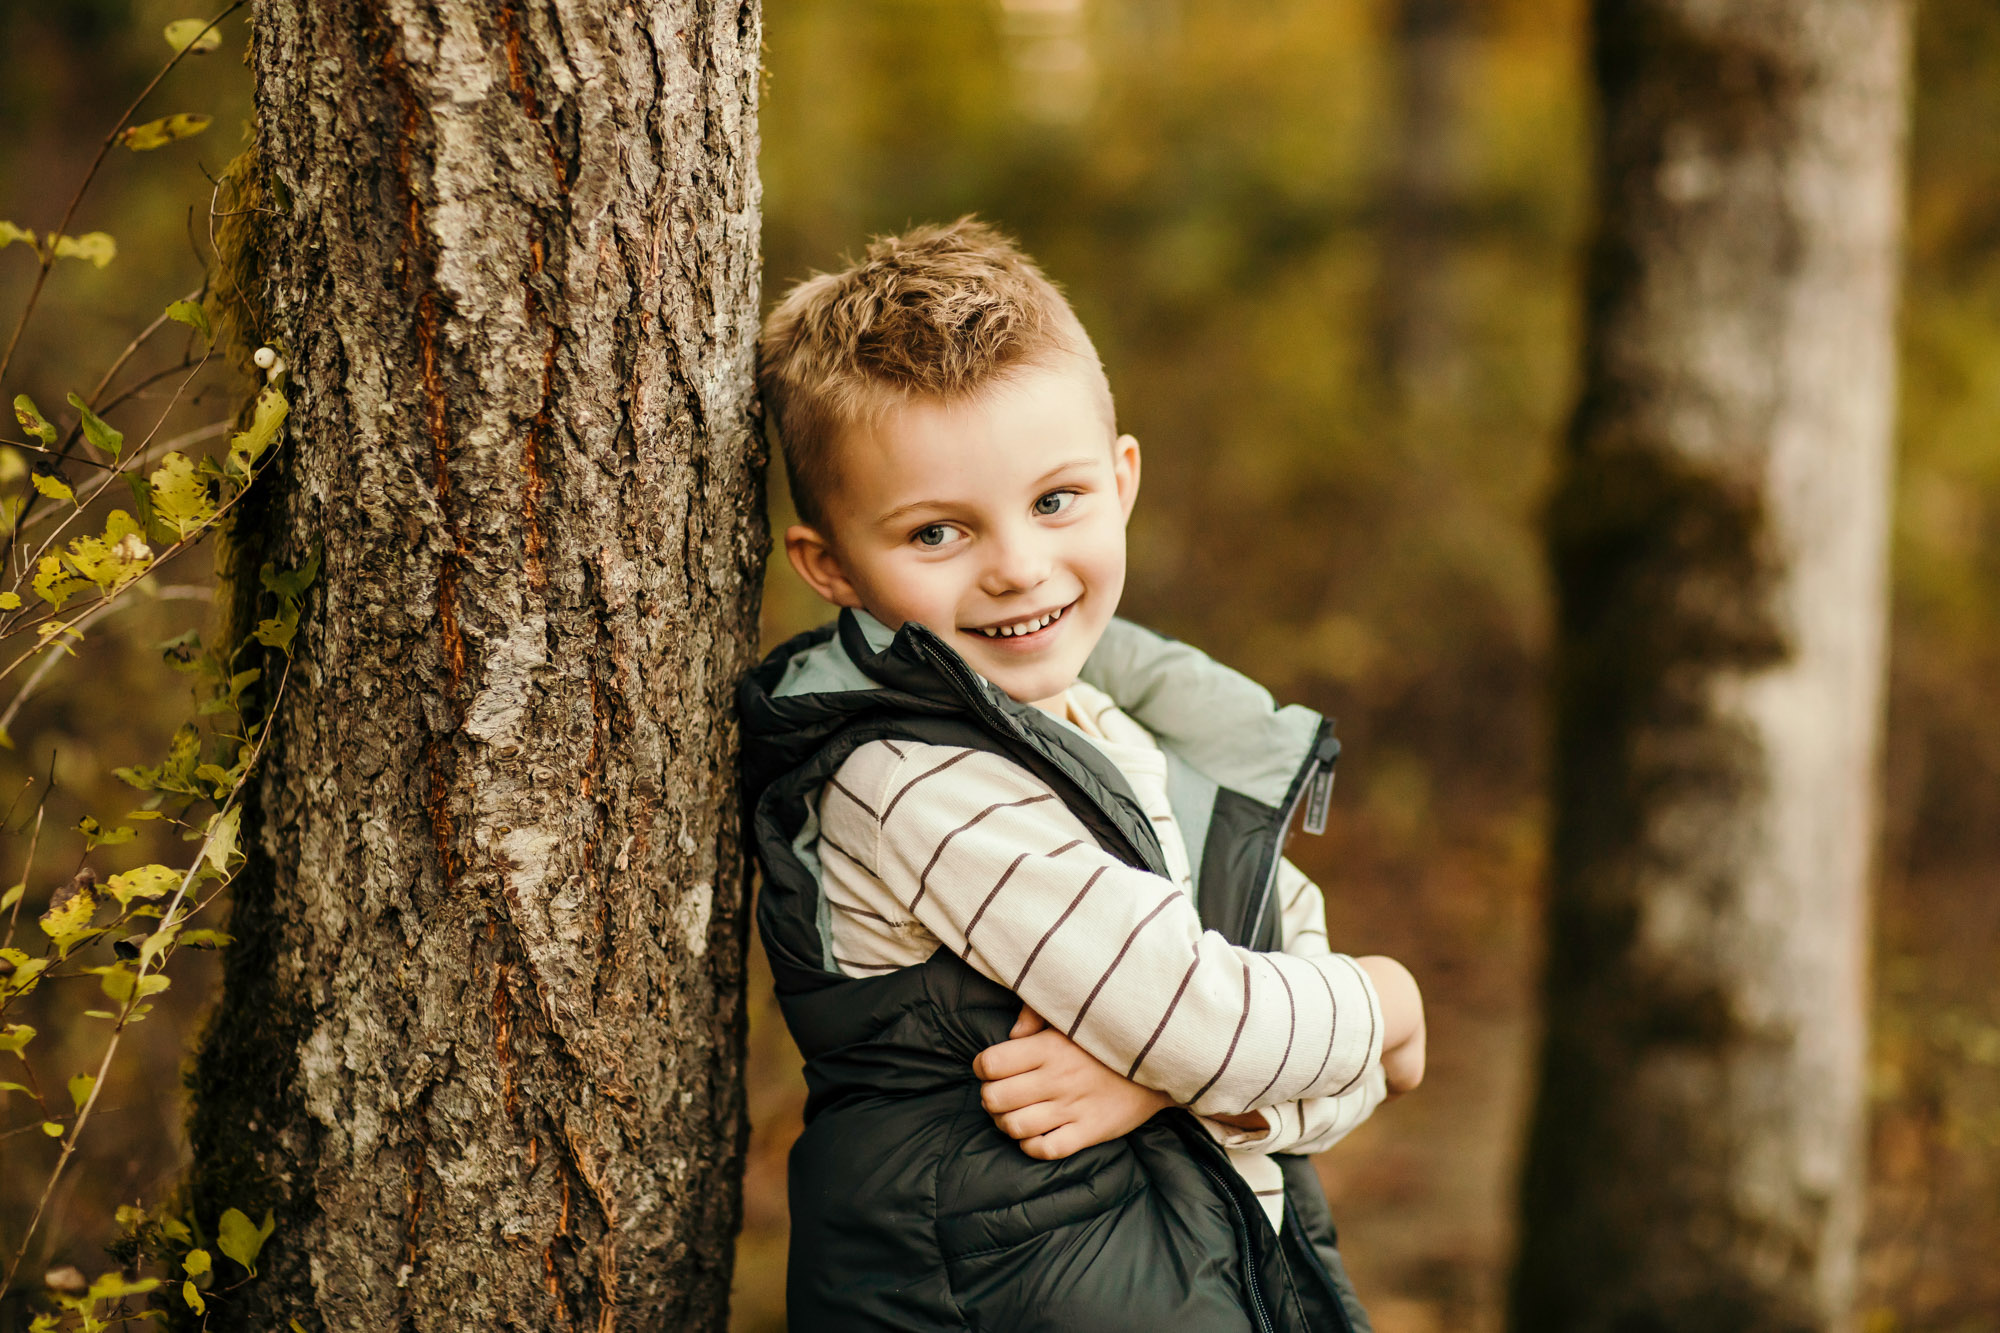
column 996, row 521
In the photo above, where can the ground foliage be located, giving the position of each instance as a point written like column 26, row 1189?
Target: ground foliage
column 1217, row 187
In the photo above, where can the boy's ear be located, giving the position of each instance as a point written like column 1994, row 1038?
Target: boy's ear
column 1125, row 467
column 814, row 559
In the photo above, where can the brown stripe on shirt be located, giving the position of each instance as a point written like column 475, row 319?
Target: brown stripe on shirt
column 1291, row 1031
column 1234, row 1037
column 856, row 910
column 927, row 773
column 1036, row 952
column 923, row 880
column 1173, row 1004
column 1123, row 949
column 841, row 787
column 987, row 901
column 1371, row 1032
column 1332, row 1025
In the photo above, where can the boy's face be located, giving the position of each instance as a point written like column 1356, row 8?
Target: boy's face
column 981, row 515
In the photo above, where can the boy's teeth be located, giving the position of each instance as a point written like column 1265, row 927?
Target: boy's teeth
column 1024, row 627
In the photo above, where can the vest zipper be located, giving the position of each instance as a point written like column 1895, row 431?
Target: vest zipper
column 1248, row 1257
column 1316, row 777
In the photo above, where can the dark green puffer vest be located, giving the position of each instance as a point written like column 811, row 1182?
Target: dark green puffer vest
column 909, row 1208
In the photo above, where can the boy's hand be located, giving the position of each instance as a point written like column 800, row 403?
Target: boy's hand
column 1403, row 1035
column 1055, row 1097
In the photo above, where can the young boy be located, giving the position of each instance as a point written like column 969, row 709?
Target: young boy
column 1070, row 1022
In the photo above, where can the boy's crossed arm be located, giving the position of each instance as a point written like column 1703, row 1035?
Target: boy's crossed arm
column 1056, row 1098
column 983, row 855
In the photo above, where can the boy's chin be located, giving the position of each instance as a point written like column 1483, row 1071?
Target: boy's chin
column 1034, row 687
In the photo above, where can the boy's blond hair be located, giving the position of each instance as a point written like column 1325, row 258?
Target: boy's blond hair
column 938, row 312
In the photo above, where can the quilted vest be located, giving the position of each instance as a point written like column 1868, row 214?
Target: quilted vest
column 909, row 1208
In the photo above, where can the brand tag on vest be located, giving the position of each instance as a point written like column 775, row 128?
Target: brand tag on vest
column 1317, row 799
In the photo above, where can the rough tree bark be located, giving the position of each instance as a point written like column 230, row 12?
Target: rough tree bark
column 1718, row 544
column 480, row 1038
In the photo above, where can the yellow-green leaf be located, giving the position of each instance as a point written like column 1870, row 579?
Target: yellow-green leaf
column 247, row 445
column 54, row 583
column 95, row 430
column 14, row 1037
column 95, row 246
column 10, row 233
column 79, row 1089
column 117, row 557
column 115, row 1286
column 223, row 830
column 159, row 133
column 192, row 1296
column 196, row 36
column 239, row 1238
column 12, row 895
column 191, row 314
column 26, row 969
column 69, row 912
column 154, row 881
column 32, row 420
column 10, row 601
column 53, row 486
column 180, row 496
column 52, row 1129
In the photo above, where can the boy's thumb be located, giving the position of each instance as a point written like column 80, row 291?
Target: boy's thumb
column 1027, row 1025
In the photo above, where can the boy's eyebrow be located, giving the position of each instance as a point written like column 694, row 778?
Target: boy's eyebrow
column 915, row 505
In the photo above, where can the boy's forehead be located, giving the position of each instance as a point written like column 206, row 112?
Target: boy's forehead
column 965, row 449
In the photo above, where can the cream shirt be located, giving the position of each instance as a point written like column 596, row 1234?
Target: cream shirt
column 922, row 845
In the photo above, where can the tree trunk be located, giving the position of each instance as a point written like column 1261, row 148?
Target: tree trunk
column 1418, row 338
column 480, row 1039
column 1718, row 545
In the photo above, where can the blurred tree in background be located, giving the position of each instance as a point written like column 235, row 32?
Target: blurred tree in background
column 1718, row 537
column 1218, row 187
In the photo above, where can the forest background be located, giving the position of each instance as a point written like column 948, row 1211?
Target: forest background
column 1330, row 255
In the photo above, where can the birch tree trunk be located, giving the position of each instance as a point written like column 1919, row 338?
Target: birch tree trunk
column 1718, row 541
column 480, row 1039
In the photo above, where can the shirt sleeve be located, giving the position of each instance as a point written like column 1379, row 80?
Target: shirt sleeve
column 1311, row 1124
column 990, row 861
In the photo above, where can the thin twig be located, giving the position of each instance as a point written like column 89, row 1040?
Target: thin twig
column 76, row 200
column 88, row 618
column 28, row 867
column 166, row 555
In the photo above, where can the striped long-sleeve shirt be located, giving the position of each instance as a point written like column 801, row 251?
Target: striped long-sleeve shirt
column 924, row 845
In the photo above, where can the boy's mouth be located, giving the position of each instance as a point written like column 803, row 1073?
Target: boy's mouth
column 1025, row 630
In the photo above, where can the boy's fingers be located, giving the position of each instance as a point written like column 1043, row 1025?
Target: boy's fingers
column 1011, row 1094
column 1027, row 1025
column 1058, row 1143
column 1015, row 1056
column 1029, row 1121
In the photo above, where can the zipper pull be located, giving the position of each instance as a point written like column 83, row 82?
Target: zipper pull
column 1321, row 792
column 1318, row 797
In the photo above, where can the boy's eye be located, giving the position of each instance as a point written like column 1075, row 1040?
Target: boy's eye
column 1054, row 502
column 937, row 534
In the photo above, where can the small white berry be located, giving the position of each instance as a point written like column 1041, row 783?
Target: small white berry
column 132, row 548
column 265, row 357
column 276, row 368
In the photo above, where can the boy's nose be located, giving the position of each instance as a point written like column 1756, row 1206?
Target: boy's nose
column 1015, row 564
